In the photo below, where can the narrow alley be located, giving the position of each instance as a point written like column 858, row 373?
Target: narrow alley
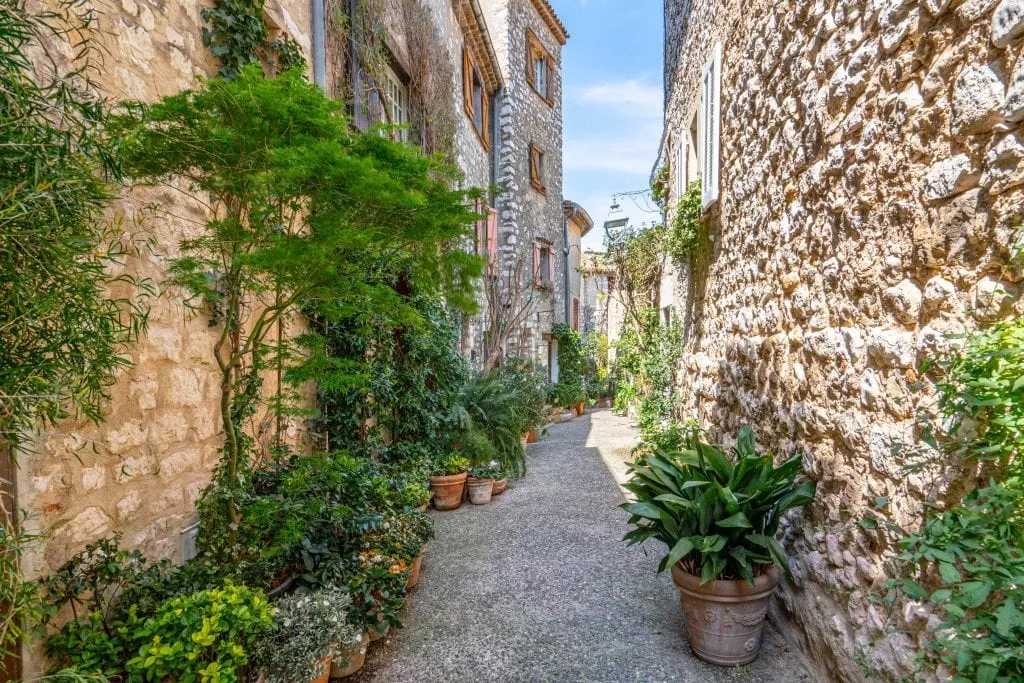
column 538, row 586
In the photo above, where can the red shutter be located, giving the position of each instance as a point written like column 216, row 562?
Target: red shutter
column 576, row 314
column 492, row 241
column 551, row 265
column 478, row 229
column 536, row 262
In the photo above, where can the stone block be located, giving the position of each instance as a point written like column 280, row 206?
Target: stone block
column 189, row 459
column 1013, row 105
column 126, row 437
column 992, row 299
column 128, row 505
column 162, row 343
column 144, row 393
column 978, row 96
column 1007, row 22
column 948, row 177
column 88, row 525
column 185, row 387
column 939, row 294
column 1003, row 168
column 167, row 431
column 93, row 478
column 903, row 301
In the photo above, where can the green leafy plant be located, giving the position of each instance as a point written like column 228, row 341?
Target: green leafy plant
column 718, row 514
column 966, row 559
column 205, row 636
column 23, row 603
column 307, row 628
column 685, row 233
column 449, row 463
column 569, row 388
column 68, row 323
column 237, row 35
column 491, row 470
column 307, row 214
column 488, row 423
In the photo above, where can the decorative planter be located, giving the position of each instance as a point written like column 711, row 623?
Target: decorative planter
column 581, row 408
column 448, row 490
column 531, row 436
column 724, row 619
column 325, row 671
column 414, row 577
column 480, row 491
column 499, row 486
column 352, row 658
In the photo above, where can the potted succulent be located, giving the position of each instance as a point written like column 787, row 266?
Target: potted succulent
column 481, row 483
column 449, row 477
column 718, row 515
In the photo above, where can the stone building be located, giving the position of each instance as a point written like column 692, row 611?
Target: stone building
column 487, row 79
column 862, row 170
column 531, row 225
column 598, row 279
column 578, row 223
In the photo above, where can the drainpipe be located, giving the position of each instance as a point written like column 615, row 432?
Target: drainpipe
column 566, row 212
column 496, row 139
column 319, row 52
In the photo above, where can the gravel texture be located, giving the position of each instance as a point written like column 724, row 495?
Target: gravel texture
column 537, row 586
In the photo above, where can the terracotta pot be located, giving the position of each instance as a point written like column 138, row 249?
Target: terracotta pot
column 581, row 408
column 414, row 577
column 531, row 436
column 448, row 490
column 724, row 619
column 480, row 490
column 379, row 631
column 499, row 486
column 325, row 668
column 351, row 659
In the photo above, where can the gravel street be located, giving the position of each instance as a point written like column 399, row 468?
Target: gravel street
column 537, row 586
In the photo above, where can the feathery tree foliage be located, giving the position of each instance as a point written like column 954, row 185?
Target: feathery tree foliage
column 304, row 213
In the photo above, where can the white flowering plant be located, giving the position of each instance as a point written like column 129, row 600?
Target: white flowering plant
column 307, row 628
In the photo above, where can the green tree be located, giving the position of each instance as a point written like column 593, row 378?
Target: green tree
column 304, row 212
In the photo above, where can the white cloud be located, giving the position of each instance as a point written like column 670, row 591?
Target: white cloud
column 631, row 98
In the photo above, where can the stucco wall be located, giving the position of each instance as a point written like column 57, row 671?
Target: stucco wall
column 140, row 471
column 871, row 172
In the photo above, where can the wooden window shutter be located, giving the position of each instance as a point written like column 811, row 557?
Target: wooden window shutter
column 536, row 262
column 576, row 314
column 551, row 264
column 492, row 240
column 479, row 230
column 486, row 133
column 531, row 52
column 711, row 110
column 467, row 81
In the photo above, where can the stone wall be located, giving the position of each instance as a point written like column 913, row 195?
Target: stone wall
column 140, row 471
column 525, row 214
column 871, row 173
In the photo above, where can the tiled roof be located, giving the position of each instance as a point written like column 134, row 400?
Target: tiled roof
column 471, row 20
column 547, row 13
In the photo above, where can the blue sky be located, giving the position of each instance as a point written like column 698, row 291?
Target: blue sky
column 612, row 99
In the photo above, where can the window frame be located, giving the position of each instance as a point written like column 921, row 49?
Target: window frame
column 471, row 78
column 393, row 85
column 536, row 168
column 711, row 123
column 543, row 273
column 535, row 51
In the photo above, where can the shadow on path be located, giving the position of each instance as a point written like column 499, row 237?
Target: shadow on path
column 537, row 586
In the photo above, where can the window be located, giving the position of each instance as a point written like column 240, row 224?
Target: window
column 538, row 177
column 539, row 67
column 475, row 99
column 543, row 264
column 396, row 104
column 711, row 113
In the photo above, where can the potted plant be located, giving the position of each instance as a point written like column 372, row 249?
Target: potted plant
column 449, row 477
column 310, row 632
column 500, row 483
column 481, row 483
column 718, row 515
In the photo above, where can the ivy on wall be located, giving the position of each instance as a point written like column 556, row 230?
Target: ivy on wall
column 237, row 35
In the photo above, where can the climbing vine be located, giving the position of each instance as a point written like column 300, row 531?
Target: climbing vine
column 685, row 234
column 237, row 35
column 569, row 388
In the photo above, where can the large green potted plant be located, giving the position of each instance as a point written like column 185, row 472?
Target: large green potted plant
column 718, row 514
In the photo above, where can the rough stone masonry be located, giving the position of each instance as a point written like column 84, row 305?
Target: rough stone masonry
column 872, row 168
